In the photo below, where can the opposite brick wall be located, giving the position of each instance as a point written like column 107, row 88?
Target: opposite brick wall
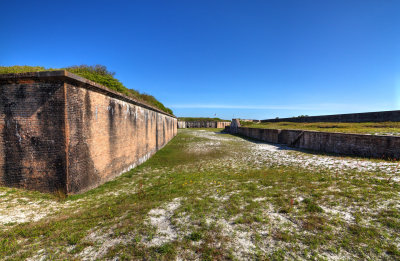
column 61, row 131
column 378, row 116
column 341, row 143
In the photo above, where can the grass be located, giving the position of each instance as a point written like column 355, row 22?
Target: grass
column 374, row 128
column 230, row 203
column 98, row 74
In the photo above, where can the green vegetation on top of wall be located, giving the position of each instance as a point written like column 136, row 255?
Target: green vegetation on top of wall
column 200, row 119
column 98, row 74
column 374, row 128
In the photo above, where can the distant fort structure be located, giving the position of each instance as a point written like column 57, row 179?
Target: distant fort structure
column 203, row 124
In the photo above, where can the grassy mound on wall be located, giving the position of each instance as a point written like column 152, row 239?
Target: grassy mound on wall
column 98, row 74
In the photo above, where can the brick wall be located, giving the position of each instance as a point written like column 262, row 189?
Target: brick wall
column 32, row 148
column 118, row 135
column 342, row 143
column 61, row 131
column 380, row 116
column 202, row 124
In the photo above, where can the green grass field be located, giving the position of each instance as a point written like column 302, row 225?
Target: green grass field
column 374, row 128
column 212, row 196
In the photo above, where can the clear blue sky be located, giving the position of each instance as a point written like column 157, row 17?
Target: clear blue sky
column 247, row 59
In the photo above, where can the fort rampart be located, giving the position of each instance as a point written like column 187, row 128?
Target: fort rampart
column 380, row 116
column 202, row 124
column 372, row 146
column 59, row 131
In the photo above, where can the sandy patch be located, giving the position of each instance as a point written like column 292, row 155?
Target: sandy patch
column 160, row 218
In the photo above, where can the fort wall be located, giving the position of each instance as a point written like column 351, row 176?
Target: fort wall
column 59, row 131
column 380, row 116
column 203, row 124
column 371, row 146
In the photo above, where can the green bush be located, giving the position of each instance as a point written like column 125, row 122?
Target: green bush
column 98, row 74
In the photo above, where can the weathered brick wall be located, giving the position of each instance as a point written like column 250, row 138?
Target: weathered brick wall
column 117, row 136
column 32, row 148
column 202, row 124
column 341, row 143
column 60, row 131
column 181, row 124
column 380, row 116
column 223, row 124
